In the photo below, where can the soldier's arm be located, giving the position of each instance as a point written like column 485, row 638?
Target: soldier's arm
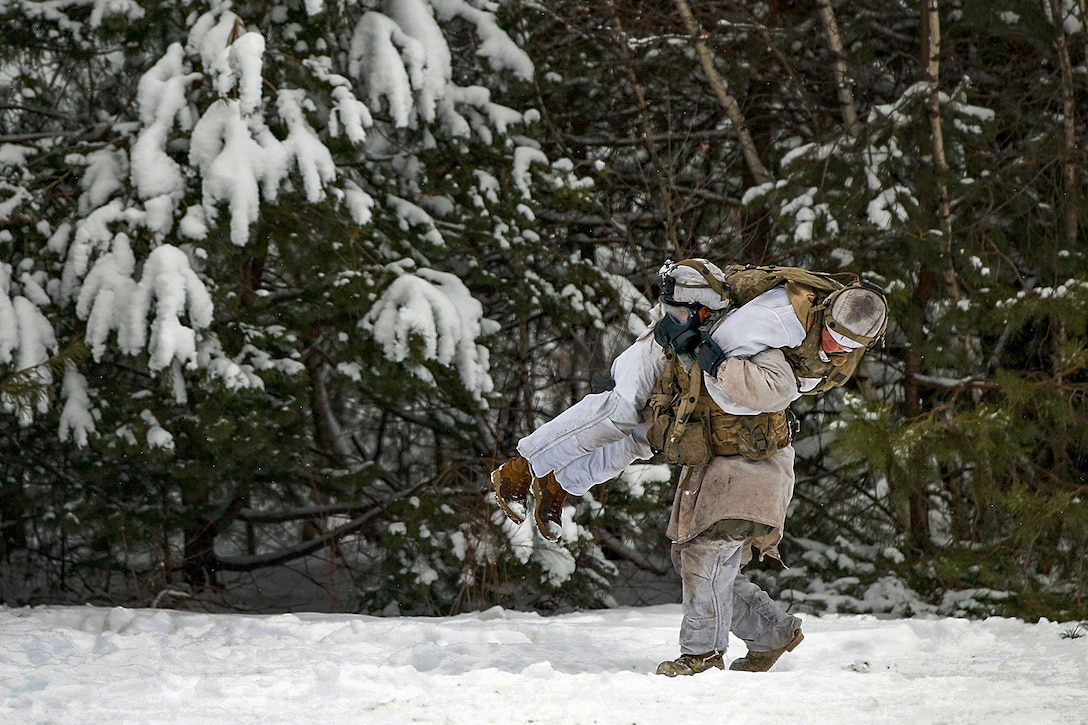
column 763, row 382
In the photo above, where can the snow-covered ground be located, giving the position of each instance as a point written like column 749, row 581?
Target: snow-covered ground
column 86, row 665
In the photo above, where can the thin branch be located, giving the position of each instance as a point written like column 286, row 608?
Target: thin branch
column 721, row 91
column 647, row 129
column 305, row 548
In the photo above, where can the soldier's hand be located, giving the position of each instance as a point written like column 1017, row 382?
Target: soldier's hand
column 709, row 355
column 670, row 332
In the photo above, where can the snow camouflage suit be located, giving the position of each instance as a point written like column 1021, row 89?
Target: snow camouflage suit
column 811, row 294
column 686, row 425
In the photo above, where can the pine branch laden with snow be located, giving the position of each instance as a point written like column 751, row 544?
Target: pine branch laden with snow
column 220, row 134
column 430, row 316
column 27, row 341
column 275, row 183
column 874, row 166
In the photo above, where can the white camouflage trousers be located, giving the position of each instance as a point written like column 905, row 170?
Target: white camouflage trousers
column 718, row 598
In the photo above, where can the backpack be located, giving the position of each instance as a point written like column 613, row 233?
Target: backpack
column 810, row 294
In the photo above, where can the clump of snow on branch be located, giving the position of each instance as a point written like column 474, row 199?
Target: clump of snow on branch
column 428, row 315
column 160, row 96
column 434, row 72
column 389, row 62
column 889, row 206
column 27, row 341
column 410, row 215
column 106, row 8
column 524, row 158
column 495, row 44
column 238, row 156
column 176, row 291
column 112, row 301
column 105, row 174
column 350, row 116
column 242, row 371
column 93, row 235
column 106, row 297
column 157, row 436
column 302, row 144
column 233, row 166
column 9, row 328
column 402, row 60
column 806, row 211
column 77, row 420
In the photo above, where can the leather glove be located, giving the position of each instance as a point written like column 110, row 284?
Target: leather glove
column 709, row 355
column 670, row 332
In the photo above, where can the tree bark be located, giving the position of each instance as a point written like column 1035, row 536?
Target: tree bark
column 721, row 92
column 1069, row 131
column 842, row 79
column 931, row 49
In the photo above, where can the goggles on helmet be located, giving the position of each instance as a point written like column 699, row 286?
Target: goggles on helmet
column 686, row 313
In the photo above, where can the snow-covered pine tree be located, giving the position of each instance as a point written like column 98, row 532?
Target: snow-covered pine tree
column 283, row 232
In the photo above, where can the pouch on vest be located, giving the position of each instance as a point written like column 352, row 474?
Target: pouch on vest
column 689, row 445
column 755, row 439
column 680, row 433
column 686, row 445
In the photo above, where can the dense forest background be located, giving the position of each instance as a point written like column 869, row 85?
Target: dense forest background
column 281, row 282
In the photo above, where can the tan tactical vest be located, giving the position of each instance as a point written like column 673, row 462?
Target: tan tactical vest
column 689, row 428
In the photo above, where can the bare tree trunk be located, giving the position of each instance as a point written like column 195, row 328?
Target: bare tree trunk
column 842, row 80
column 1069, row 165
column 721, row 92
column 1069, row 132
column 663, row 178
column 931, row 38
column 917, row 491
column 911, row 496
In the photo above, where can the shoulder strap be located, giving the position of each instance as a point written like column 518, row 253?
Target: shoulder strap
column 713, row 282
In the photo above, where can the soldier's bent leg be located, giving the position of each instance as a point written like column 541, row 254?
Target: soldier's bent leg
column 759, row 621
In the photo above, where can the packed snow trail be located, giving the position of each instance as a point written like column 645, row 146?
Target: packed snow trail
column 115, row 666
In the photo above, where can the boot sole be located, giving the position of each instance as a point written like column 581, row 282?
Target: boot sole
column 541, row 524
column 496, row 484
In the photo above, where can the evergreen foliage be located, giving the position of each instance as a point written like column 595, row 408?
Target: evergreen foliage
column 280, row 283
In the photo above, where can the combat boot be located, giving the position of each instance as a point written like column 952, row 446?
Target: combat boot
column 763, row 661
column 511, row 482
column 550, row 497
column 691, row 664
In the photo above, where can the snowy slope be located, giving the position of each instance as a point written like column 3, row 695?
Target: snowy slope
column 91, row 665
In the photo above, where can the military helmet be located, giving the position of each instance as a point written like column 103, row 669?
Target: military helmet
column 857, row 315
column 694, row 281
